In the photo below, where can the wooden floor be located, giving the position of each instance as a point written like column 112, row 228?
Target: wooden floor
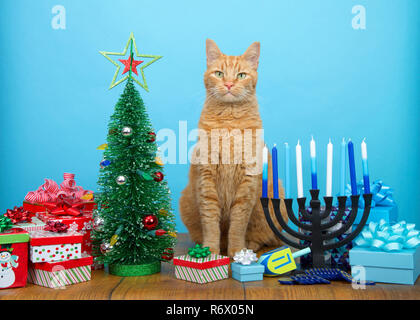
column 164, row 285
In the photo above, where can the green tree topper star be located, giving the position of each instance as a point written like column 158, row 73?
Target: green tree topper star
column 132, row 43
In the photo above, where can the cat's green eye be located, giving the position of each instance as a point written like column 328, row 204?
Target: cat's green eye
column 218, row 74
column 241, row 75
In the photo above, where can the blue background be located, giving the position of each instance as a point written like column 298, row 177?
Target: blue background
column 317, row 75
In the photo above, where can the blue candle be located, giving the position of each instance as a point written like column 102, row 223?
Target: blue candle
column 265, row 172
column 352, row 169
column 314, row 177
column 343, row 168
column 366, row 183
column 287, row 170
column 275, row 172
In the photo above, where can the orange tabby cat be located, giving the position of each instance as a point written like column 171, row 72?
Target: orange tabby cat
column 220, row 205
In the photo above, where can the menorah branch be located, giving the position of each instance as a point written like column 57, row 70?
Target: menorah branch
column 264, row 203
column 341, row 210
column 291, row 215
column 284, row 225
column 355, row 233
column 328, row 207
column 347, row 225
column 302, row 208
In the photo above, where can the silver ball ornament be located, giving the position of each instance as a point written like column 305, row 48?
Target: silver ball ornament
column 126, row 131
column 98, row 224
column 105, row 247
column 121, row 180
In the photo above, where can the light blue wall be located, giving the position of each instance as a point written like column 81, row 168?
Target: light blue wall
column 317, row 76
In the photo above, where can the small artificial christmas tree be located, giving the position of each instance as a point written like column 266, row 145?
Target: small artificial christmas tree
column 133, row 228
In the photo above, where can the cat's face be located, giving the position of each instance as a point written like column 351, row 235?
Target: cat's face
column 231, row 79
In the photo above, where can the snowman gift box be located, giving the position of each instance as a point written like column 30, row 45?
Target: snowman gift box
column 13, row 258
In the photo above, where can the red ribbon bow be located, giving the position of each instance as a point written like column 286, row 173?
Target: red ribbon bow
column 56, row 226
column 65, row 205
column 18, row 214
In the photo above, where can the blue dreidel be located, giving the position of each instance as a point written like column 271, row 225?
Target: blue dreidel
column 280, row 260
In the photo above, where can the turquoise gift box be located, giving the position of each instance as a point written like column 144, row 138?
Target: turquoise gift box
column 389, row 214
column 401, row 267
column 250, row 272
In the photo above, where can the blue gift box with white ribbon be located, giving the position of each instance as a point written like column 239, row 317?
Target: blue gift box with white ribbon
column 250, row 272
column 390, row 267
column 385, row 253
column 383, row 206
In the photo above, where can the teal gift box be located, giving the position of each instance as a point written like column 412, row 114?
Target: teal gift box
column 401, row 267
column 250, row 272
column 389, row 214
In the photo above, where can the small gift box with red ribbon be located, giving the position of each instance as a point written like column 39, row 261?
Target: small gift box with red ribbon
column 60, row 274
column 47, row 246
column 68, row 203
column 201, row 267
column 34, row 225
column 13, row 255
column 24, row 219
column 81, row 224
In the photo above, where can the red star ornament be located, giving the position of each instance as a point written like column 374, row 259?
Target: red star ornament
column 127, row 63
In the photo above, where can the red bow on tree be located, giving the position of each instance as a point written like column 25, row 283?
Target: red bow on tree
column 65, row 205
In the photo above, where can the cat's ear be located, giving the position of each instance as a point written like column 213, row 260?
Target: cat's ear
column 252, row 55
column 213, row 52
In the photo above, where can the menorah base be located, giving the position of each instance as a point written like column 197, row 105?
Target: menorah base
column 316, row 232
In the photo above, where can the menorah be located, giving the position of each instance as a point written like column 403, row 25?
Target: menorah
column 318, row 229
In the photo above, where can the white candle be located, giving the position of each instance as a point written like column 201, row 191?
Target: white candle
column 328, row 191
column 299, row 170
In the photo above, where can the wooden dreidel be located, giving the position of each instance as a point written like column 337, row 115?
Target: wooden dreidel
column 280, row 260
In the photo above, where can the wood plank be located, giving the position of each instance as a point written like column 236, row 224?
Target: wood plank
column 99, row 288
column 165, row 286
column 337, row 290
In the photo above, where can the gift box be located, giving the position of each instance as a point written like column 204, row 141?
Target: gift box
column 60, row 274
column 383, row 205
column 13, row 258
column 387, row 253
column 64, row 199
column 66, row 203
column 81, row 224
column 85, row 207
column 201, row 270
column 389, row 214
column 35, row 225
column 47, row 246
column 401, row 267
column 250, row 272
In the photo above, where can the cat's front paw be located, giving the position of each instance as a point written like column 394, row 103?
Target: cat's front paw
column 254, row 246
column 232, row 251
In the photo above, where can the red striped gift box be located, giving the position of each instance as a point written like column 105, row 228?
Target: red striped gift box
column 60, row 274
column 201, row 270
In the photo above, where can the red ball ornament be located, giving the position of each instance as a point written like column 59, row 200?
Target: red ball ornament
column 152, row 137
column 150, row 222
column 168, row 254
column 158, row 176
